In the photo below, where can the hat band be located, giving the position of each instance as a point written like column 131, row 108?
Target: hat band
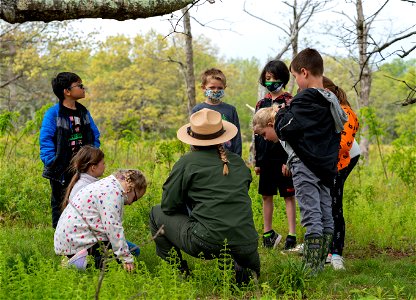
column 199, row 136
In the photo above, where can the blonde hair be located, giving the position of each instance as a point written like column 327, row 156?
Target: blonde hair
column 263, row 117
column 134, row 178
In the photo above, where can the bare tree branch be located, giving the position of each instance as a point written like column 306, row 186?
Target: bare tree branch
column 4, row 84
column 410, row 99
column 19, row 11
column 263, row 20
column 406, row 53
column 371, row 18
column 391, row 42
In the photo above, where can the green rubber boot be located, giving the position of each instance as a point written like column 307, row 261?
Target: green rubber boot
column 312, row 253
column 326, row 248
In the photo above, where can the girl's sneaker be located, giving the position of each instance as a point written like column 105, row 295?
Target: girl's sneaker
column 79, row 260
column 328, row 259
column 297, row 250
column 337, row 262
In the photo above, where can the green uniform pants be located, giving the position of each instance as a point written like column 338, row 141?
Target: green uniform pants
column 178, row 235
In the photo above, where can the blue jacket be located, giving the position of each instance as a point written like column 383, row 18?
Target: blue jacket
column 55, row 151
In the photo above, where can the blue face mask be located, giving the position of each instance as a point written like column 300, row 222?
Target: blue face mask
column 214, row 97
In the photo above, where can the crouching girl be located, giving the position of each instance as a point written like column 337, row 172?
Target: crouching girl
column 92, row 220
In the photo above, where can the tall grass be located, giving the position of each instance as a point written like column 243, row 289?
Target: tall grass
column 380, row 241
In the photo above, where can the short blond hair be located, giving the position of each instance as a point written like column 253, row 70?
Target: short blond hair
column 213, row 73
column 263, row 117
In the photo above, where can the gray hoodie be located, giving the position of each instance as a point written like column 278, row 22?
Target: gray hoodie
column 339, row 115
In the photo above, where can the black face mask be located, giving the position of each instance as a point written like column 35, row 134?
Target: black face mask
column 274, row 86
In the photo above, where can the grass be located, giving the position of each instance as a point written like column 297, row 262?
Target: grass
column 380, row 243
column 29, row 264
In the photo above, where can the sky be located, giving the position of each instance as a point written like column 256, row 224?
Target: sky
column 238, row 35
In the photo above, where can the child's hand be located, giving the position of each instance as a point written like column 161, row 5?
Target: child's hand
column 128, row 267
column 277, row 107
column 285, row 171
column 257, row 170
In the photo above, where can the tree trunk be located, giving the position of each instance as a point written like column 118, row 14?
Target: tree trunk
column 11, row 101
column 189, row 52
column 294, row 31
column 365, row 78
column 19, row 11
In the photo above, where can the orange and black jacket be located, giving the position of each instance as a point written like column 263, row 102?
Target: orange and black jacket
column 347, row 137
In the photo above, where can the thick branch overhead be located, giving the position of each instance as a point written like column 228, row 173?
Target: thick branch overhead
column 19, row 11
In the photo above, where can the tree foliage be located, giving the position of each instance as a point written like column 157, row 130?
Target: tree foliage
column 136, row 88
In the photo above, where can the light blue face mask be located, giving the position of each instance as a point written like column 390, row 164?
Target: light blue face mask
column 214, row 97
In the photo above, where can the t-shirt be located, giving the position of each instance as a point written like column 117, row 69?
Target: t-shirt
column 76, row 137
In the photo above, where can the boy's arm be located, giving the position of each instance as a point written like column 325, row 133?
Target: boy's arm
column 47, row 133
column 287, row 125
column 238, row 148
column 95, row 131
column 291, row 122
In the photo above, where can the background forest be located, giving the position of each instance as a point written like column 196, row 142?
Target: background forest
column 136, row 86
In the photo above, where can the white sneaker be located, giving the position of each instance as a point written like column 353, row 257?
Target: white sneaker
column 337, row 262
column 328, row 259
column 297, row 250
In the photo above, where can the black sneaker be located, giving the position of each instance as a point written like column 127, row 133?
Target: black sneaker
column 271, row 239
column 290, row 242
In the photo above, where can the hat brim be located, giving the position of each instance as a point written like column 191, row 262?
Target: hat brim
column 230, row 132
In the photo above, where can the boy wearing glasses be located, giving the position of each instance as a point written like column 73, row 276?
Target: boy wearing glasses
column 66, row 127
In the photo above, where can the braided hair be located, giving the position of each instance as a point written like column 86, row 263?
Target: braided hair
column 223, row 157
column 134, row 178
column 221, row 152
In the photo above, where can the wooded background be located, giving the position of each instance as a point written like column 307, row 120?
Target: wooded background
column 144, row 87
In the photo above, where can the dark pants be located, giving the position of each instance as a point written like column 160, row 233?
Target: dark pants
column 178, row 235
column 57, row 197
column 337, row 193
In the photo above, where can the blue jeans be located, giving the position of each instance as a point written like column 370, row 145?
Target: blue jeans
column 135, row 251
